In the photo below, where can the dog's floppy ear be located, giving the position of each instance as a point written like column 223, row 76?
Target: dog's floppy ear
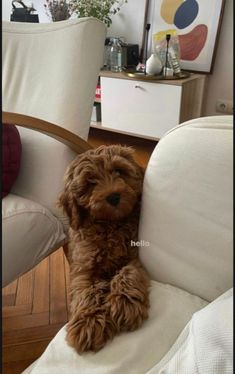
column 71, row 208
column 67, row 199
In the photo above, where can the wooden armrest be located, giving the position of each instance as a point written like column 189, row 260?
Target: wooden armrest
column 66, row 137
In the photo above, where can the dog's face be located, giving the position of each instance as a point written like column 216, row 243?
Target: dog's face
column 104, row 183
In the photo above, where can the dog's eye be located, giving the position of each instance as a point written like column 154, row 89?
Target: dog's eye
column 92, row 182
column 119, row 171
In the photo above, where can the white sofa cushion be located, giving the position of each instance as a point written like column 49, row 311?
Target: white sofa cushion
column 206, row 343
column 187, row 210
column 133, row 352
column 30, row 232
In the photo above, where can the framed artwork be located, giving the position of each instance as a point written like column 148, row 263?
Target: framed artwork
column 197, row 23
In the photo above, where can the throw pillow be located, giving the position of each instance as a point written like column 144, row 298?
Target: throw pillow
column 11, row 157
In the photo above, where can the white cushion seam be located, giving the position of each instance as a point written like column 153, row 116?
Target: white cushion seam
column 51, row 29
column 45, row 214
column 27, row 211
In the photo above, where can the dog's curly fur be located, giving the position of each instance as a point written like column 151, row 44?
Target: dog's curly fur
column 109, row 288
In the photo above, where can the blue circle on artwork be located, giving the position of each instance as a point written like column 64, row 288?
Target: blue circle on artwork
column 186, row 14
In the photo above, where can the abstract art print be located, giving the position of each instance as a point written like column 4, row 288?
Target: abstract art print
column 197, row 23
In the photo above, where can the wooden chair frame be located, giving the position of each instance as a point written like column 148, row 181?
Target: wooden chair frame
column 64, row 136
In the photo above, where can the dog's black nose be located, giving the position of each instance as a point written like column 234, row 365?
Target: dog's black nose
column 113, row 199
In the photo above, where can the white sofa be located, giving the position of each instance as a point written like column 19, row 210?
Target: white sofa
column 186, row 234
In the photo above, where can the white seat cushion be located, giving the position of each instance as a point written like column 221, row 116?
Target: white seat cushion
column 133, row 352
column 30, row 233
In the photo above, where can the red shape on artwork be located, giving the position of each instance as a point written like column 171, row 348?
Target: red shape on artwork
column 191, row 44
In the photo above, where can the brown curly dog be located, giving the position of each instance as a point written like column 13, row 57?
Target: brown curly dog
column 109, row 288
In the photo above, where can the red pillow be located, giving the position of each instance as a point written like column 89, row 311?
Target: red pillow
column 11, row 157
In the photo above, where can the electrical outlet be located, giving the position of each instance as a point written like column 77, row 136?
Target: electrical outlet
column 224, row 106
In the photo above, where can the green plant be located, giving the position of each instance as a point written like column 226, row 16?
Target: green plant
column 101, row 9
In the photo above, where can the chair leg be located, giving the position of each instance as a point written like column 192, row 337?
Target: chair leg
column 66, row 251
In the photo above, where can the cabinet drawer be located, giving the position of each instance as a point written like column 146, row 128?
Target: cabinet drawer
column 139, row 107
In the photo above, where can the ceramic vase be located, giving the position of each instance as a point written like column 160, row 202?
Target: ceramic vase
column 153, row 65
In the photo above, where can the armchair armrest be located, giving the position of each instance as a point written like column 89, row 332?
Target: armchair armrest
column 66, row 137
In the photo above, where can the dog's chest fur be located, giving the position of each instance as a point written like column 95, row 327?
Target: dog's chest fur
column 104, row 247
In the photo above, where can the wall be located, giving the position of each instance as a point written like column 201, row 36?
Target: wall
column 219, row 84
column 133, row 33
column 129, row 22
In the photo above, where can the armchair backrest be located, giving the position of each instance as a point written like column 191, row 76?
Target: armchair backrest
column 50, row 70
column 187, row 208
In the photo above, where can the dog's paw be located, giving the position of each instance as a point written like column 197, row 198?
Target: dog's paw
column 90, row 330
column 126, row 312
column 129, row 298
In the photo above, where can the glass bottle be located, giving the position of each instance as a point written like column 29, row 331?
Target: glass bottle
column 116, row 56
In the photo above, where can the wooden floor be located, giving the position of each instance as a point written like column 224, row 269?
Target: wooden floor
column 35, row 306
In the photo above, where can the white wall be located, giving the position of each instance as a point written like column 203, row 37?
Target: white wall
column 220, row 83
column 130, row 25
column 129, row 22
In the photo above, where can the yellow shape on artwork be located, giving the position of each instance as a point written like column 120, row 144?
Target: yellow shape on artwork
column 161, row 35
column 168, row 9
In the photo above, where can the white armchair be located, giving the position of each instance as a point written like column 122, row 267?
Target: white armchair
column 32, row 226
column 50, row 70
column 186, row 235
column 50, row 73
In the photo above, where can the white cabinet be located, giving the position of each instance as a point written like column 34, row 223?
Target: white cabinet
column 148, row 109
column 139, row 107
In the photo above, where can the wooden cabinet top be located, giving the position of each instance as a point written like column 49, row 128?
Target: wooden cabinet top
column 175, row 82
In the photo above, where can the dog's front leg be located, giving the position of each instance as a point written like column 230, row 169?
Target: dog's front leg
column 90, row 325
column 129, row 297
